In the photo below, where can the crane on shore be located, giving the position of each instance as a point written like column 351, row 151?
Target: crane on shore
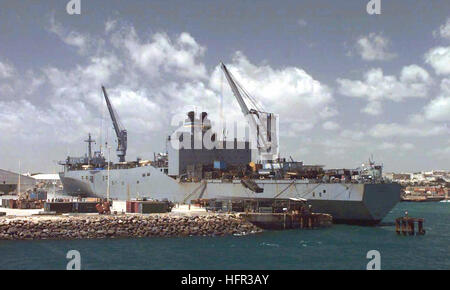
column 121, row 132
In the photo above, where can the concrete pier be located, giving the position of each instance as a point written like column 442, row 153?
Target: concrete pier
column 284, row 221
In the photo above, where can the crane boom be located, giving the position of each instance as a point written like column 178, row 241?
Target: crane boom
column 121, row 133
column 263, row 135
column 235, row 90
column 245, row 110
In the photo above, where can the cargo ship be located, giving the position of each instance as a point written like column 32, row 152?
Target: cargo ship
column 231, row 168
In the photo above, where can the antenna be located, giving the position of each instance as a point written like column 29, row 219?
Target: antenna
column 221, row 106
column 108, row 184
column 89, row 141
column 101, row 122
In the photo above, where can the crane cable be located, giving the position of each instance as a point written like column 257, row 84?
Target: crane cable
column 253, row 101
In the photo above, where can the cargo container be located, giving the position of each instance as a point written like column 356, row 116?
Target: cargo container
column 130, row 206
column 42, row 195
column 59, row 207
column 265, row 209
column 220, row 165
column 85, row 207
column 119, row 206
column 136, row 208
column 153, row 207
column 93, row 199
column 12, row 203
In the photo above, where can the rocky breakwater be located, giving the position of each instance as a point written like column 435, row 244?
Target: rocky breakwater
column 122, row 226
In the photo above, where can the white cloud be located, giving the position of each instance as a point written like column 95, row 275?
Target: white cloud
column 15, row 85
column 373, row 108
column 330, row 125
column 302, row 22
column 291, row 92
column 413, row 81
column 443, row 153
column 395, row 146
column 110, row 24
column 439, row 59
column 407, row 146
column 83, row 82
column 73, row 38
column 385, row 130
column 374, row 47
column 413, row 74
column 23, row 120
column 151, row 78
column 353, row 134
column 386, row 146
column 439, row 108
column 6, row 70
column 160, row 54
column 148, row 81
column 444, row 30
column 141, row 114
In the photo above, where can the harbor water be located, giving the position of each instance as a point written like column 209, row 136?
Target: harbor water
column 337, row 247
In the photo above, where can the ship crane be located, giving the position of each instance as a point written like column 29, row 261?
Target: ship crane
column 121, row 133
column 259, row 120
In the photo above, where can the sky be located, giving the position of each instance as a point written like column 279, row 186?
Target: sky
column 346, row 84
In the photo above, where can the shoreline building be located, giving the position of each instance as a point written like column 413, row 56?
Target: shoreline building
column 9, row 181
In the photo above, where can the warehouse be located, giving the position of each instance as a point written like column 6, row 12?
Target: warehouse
column 9, row 180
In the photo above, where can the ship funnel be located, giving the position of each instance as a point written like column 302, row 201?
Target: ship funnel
column 191, row 116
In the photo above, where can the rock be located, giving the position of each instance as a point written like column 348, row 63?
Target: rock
column 124, row 226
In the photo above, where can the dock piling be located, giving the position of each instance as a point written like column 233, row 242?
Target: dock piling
column 406, row 226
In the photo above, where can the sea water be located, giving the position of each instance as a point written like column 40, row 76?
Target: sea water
column 337, row 247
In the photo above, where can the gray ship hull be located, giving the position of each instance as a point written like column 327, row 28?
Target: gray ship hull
column 346, row 202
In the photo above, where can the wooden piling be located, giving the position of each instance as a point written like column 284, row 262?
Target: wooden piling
column 406, row 226
column 410, row 227
column 420, row 230
column 403, row 226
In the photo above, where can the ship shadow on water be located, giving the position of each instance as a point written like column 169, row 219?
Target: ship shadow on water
column 385, row 224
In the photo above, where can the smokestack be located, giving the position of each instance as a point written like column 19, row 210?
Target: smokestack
column 191, row 116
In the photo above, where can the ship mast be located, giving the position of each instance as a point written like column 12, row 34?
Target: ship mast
column 121, row 133
column 89, row 141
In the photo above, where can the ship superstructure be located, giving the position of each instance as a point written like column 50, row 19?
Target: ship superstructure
column 229, row 170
